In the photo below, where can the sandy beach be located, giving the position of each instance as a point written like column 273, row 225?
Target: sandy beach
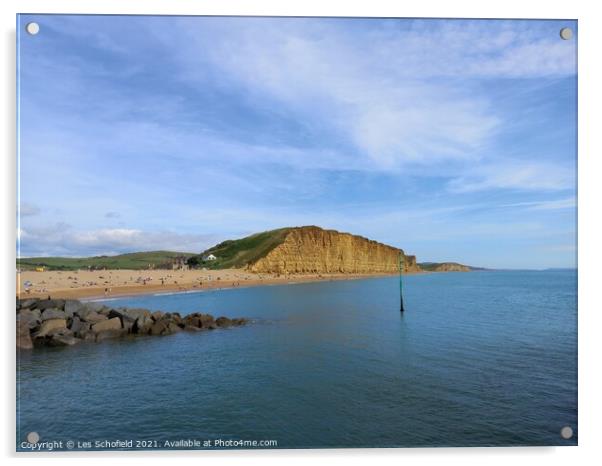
column 110, row 283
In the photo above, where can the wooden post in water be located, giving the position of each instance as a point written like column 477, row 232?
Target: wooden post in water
column 401, row 264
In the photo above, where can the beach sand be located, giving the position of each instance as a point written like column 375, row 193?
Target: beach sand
column 110, row 283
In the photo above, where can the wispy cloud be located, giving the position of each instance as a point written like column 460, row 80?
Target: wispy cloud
column 399, row 92
column 25, row 209
column 515, row 175
column 555, row 204
column 61, row 239
column 388, row 115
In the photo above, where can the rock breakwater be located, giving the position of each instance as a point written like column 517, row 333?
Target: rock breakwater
column 59, row 322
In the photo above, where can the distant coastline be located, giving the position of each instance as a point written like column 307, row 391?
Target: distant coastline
column 283, row 256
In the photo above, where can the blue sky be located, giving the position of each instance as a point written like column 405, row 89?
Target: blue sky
column 454, row 140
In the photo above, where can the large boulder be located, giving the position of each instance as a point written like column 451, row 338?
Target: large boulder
column 62, row 339
column 51, row 326
column 161, row 327
column 93, row 306
column 130, row 314
column 93, row 317
column 207, row 321
column 238, row 321
column 143, row 324
column 157, row 315
column 88, row 336
column 23, row 335
column 79, row 328
column 203, row 321
column 177, row 319
column 165, row 326
column 90, row 309
column 50, row 304
column 32, row 317
column 73, row 306
column 174, row 327
column 52, row 313
column 111, row 333
column 191, row 328
column 74, row 324
column 223, row 322
column 26, row 303
column 107, row 324
column 129, row 317
column 192, row 320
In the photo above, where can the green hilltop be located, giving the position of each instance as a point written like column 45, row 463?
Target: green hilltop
column 450, row 266
column 230, row 254
column 240, row 252
column 132, row 261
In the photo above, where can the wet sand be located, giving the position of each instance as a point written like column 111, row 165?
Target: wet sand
column 110, row 283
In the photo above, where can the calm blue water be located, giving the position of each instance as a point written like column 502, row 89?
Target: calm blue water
column 482, row 358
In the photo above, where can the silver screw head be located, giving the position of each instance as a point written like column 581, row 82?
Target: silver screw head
column 32, row 28
column 566, row 432
column 566, row 33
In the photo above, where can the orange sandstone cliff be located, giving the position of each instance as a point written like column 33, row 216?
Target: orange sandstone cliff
column 312, row 249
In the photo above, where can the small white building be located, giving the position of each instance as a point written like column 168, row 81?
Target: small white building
column 210, row 257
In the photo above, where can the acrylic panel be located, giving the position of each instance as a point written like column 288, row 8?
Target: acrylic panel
column 270, row 232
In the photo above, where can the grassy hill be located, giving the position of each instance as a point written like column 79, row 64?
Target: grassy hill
column 134, row 261
column 438, row 266
column 240, row 252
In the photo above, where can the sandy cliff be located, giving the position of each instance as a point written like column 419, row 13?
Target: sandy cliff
column 315, row 250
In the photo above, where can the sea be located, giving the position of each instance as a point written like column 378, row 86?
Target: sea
column 484, row 358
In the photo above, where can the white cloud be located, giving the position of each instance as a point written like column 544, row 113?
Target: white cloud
column 61, row 239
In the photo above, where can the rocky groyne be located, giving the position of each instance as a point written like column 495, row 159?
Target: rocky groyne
column 59, row 322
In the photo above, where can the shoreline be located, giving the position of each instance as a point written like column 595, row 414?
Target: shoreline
column 194, row 281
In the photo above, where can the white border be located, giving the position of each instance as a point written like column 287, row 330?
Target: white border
column 590, row 77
